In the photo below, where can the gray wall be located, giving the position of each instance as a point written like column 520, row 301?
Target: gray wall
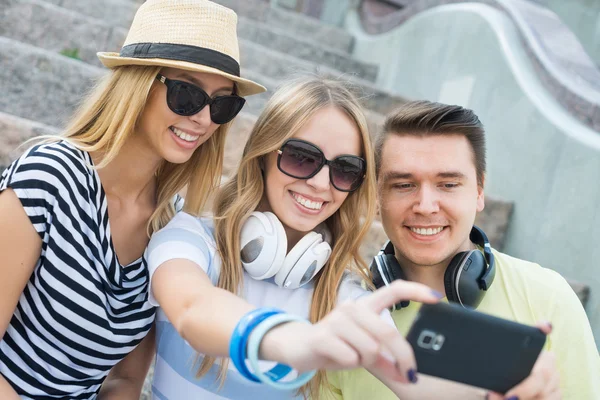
column 583, row 17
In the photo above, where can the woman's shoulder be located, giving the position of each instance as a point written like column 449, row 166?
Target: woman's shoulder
column 188, row 228
column 52, row 170
column 52, row 160
column 58, row 150
column 183, row 220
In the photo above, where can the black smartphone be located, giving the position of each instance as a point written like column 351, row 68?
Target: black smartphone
column 463, row 345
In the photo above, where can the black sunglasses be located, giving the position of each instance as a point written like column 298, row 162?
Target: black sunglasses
column 184, row 98
column 303, row 160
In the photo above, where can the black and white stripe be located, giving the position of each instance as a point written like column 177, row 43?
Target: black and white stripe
column 81, row 311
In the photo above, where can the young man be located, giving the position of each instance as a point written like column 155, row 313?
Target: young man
column 431, row 174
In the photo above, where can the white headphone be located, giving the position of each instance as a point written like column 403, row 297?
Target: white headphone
column 263, row 244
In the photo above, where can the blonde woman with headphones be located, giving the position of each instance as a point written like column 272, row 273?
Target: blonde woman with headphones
column 281, row 249
column 73, row 282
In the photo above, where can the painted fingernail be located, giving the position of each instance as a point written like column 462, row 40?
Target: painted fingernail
column 513, row 398
column 487, row 396
column 412, row 376
column 437, row 294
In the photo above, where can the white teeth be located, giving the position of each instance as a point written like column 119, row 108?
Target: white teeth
column 313, row 205
column 427, row 231
column 182, row 135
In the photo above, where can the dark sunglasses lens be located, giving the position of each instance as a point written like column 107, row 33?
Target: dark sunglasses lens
column 186, row 99
column 347, row 172
column 299, row 159
column 225, row 108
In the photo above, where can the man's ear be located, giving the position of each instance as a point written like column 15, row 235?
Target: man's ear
column 378, row 198
column 481, row 195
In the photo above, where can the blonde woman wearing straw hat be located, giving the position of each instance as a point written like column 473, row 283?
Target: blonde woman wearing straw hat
column 285, row 238
column 73, row 282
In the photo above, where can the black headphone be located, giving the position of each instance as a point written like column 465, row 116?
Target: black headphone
column 466, row 279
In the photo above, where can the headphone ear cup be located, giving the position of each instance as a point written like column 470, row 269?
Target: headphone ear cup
column 393, row 269
column 469, row 289
column 303, row 261
column 263, row 245
column 461, row 279
column 378, row 280
column 450, row 276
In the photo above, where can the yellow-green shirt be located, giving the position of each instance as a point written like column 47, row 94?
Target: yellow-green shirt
column 524, row 292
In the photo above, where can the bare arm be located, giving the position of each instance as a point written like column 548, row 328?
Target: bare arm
column 126, row 379
column 20, row 248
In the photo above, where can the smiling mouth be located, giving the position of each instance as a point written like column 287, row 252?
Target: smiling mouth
column 310, row 204
column 184, row 136
column 427, row 231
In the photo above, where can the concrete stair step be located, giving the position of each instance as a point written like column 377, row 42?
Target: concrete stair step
column 42, row 85
column 300, row 24
column 116, row 12
column 58, row 29
column 15, row 131
column 286, row 42
column 276, row 37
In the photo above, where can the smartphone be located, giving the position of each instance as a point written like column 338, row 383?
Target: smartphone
column 463, row 345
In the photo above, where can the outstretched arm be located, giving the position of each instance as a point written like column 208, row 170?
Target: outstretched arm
column 352, row 335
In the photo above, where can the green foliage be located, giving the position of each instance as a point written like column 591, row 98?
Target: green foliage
column 71, row 53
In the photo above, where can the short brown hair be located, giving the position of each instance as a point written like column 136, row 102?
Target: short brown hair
column 426, row 118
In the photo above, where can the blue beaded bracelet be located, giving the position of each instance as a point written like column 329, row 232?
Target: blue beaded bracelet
column 239, row 338
column 253, row 346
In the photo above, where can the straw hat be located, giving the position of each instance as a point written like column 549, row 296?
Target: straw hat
column 195, row 35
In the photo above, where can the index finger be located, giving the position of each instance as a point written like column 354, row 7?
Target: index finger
column 397, row 291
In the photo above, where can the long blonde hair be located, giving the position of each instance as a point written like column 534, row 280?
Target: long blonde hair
column 287, row 111
column 108, row 117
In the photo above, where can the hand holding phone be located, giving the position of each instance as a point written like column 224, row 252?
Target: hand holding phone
column 474, row 348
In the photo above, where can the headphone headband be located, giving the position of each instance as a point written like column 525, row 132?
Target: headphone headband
column 479, row 237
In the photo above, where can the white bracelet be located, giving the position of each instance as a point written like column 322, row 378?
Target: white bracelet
column 254, row 343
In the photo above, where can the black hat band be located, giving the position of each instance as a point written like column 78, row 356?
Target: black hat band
column 183, row 52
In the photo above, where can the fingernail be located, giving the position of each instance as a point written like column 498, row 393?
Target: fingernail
column 549, row 324
column 412, row 376
column 487, row 396
column 437, row 294
column 513, row 398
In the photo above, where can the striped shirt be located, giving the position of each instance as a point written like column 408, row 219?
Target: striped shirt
column 81, row 312
column 193, row 239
